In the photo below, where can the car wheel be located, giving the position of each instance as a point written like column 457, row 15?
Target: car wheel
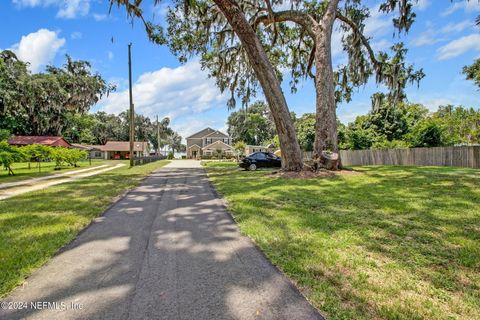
column 252, row 167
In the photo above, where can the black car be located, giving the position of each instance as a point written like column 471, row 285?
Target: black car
column 260, row 160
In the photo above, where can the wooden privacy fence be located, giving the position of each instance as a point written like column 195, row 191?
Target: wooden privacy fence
column 468, row 157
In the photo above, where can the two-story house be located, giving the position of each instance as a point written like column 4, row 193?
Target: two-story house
column 209, row 142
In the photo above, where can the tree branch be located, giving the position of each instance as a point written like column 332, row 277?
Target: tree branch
column 364, row 40
column 303, row 19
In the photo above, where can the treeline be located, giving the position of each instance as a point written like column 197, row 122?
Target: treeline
column 57, row 101
column 100, row 127
column 387, row 125
column 411, row 125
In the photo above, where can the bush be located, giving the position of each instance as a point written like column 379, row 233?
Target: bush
column 4, row 134
column 170, row 155
column 427, row 134
column 65, row 155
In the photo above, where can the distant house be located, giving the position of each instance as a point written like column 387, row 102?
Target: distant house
column 121, row 149
column 209, row 142
column 52, row 141
column 95, row 152
column 251, row 149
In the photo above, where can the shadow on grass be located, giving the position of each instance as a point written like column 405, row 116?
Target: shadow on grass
column 421, row 223
column 168, row 250
column 35, row 225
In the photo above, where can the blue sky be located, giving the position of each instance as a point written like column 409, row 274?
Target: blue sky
column 442, row 41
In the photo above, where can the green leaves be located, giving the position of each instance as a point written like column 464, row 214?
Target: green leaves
column 9, row 155
column 472, row 72
column 38, row 104
column 71, row 156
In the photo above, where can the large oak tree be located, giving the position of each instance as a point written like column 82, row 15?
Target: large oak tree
column 229, row 30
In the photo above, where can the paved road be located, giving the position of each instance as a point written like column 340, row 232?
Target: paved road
column 167, row 250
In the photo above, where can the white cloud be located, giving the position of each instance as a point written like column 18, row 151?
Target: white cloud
column 99, row 17
column 76, row 35
column 67, row 9
column 38, row 48
column 457, row 27
column 381, row 45
column 432, row 104
column 378, row 23
column 34, row 3
column 467, row 6
column 426, row 38
column 169, row 92
column 459, row 46
column 434, row 35
column 110, row 55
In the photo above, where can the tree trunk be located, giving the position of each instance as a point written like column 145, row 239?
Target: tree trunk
column 291, row 155
column 326, row 138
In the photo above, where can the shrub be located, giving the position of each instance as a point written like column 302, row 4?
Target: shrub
column 427, row 134
column 65, row 155
column 170, row 155
column 36, row 153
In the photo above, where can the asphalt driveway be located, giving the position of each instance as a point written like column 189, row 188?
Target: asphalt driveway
column 167, row 250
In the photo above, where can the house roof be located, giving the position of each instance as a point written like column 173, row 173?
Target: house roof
column 46, row 140
column 222, row 144
column 88, row 147
column 206, row 133
column 217, row 133
column 124, row 146
column 201, row 133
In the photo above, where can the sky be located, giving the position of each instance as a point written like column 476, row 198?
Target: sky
column 442, row 40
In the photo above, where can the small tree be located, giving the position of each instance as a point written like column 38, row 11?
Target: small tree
column 9, row 155
column 73, row 156
column 240, row 147
column 59, row 156
column 218, row 152
column 37, row 153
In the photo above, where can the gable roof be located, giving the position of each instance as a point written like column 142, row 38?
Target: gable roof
column 201, row 133
column 124, row 146
column 217, row 133
column 46, row 140
column 88, row 147
column 217, row 142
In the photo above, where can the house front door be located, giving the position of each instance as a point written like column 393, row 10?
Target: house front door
column 194, row 154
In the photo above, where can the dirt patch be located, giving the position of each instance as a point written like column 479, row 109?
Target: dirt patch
column 309, row 174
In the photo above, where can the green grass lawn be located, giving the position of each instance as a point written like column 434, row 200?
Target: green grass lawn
column 35, row 225
column 382, row 243
column 22, row 170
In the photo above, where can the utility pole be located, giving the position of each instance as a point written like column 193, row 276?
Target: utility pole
column 158, row 137
column 132, row 110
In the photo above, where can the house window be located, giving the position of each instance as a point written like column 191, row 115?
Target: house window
column 98, row 154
